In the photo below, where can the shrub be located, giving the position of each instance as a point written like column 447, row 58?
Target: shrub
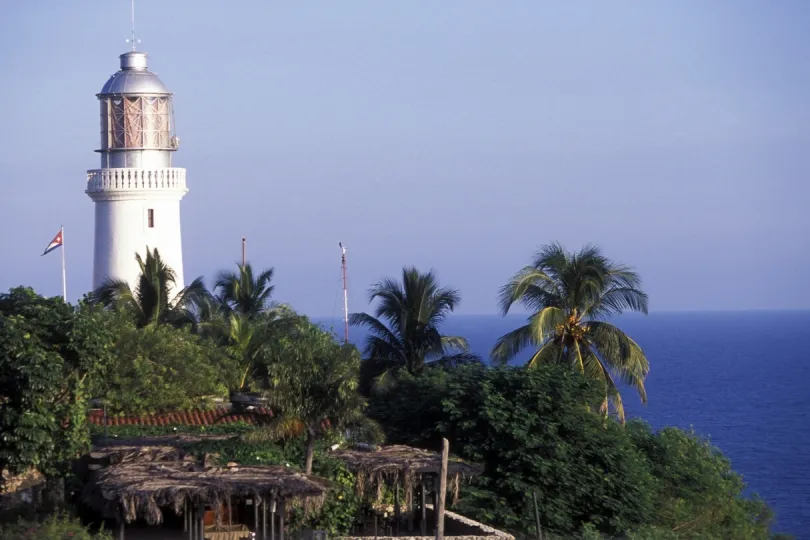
column 58, row 526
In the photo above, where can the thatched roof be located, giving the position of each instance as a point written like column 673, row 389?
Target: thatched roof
column 141, row 489
column 397, row 463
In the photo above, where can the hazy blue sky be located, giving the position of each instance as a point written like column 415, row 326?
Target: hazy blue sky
column 458, row 135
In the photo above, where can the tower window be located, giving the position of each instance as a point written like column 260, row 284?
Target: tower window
column 150, row 218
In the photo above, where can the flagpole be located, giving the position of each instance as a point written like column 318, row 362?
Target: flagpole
column 64, row 274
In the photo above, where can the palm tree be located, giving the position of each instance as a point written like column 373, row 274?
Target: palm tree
column 150, row 303
column 571, row 295
column 241, row 293
column 313, row 383
column 404, row 331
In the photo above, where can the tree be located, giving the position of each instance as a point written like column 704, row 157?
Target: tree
column 151, row 303
column 162, row 368
column 404, row 331
column 593, row 477
column 571, row 295
column 697, row 494
column 530, row 433
column 313, row 381
column 239, row 292
column 49, row 353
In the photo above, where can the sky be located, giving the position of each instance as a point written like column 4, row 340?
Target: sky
column 458, row 135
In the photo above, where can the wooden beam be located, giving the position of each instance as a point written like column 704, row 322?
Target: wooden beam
column 422, row 502
column 264, row 518
column 256, row 515
column 397, row 516
column 281, row 519
column 442, row 490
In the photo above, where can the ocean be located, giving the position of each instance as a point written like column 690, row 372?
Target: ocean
column 738, row 378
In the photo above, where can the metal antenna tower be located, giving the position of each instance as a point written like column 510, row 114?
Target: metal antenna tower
column 134, row 39
column 345, row 292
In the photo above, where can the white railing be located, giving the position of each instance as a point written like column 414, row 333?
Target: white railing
column 126, row 179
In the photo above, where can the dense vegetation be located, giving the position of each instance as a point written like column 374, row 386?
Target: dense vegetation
column 554, row 427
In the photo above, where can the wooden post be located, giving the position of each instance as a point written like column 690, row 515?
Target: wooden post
column 409, row 497
column 200, row 521
column 375, row 525
column 281, row 520
column 256, row 515
column 442, row 490
column 397, row 516
column 273, row 518
column 121, row 525
column 191, row 523
column 422, row 496
column 537, row 517
column 264, row 518
column 435, row 501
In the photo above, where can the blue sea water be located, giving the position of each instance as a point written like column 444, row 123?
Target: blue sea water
column 739, row 378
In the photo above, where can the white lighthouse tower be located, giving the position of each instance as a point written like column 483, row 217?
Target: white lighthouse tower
column 136, row 191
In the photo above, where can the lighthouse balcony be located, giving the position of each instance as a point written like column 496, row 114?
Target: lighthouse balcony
column 107, row 180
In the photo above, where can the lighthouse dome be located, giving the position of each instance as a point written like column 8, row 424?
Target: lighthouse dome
column 134, row 77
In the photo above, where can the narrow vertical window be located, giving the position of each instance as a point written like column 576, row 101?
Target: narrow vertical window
column 150, row 218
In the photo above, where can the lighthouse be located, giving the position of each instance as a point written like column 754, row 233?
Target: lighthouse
column 136, row 191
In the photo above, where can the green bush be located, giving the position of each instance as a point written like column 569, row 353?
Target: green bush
column 593, row 477
column 58, row 526
column 160, row 369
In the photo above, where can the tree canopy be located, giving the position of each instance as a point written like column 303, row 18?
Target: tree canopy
column 313, row 383
column 404, row 330
column 49, row 354
column 570, row 295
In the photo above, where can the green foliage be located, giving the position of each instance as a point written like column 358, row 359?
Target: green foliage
column 58, row 526
column 341, row 506
column 412, row 411
column 150, row 303
column 594, row 478
column 531, row 433
column 160, row 368
column 236, row 428
column 243, row 294
column 570, row 294
column 48, row 354
column 697, row 494
column 312, row 381
column 404, row 330
column 340, row 509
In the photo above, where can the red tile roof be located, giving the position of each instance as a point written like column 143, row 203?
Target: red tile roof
column 196, row 417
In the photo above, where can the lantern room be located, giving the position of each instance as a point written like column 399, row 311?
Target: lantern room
column 136, row 117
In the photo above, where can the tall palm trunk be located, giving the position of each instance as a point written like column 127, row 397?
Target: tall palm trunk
column 310, row 451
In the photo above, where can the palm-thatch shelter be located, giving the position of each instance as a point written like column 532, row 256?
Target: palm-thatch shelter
column 141, row 482
column 407, row 467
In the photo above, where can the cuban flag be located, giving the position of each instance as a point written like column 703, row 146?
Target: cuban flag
column 55, row 243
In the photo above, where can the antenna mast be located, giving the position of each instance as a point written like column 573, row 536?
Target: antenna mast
column 345, row 292
column 133, row 40
column 244, row 251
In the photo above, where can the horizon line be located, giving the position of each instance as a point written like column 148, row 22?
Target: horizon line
column 630, row 313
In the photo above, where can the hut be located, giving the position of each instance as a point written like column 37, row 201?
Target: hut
column 413, row 470
column 141, row 482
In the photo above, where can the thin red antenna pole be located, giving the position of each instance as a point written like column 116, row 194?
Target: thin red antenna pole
column 345, row 292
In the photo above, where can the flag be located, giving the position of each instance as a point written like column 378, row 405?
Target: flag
column 55, row 243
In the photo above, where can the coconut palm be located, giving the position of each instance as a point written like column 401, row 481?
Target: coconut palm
column 242, row 293
column 150, row 303
column 313, row 382
column 404, row 330
column 570, row 295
